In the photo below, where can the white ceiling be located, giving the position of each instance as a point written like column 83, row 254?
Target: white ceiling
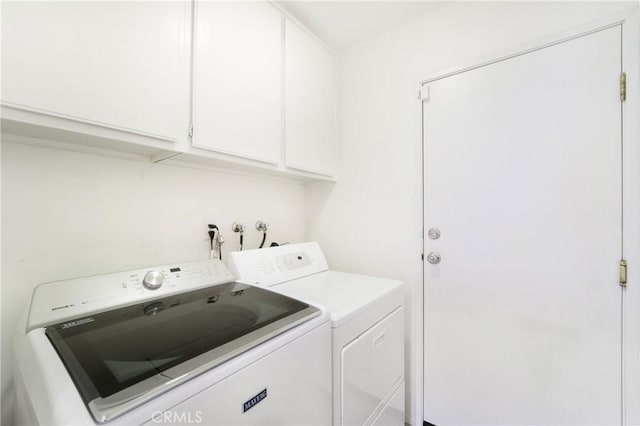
column 342, row 24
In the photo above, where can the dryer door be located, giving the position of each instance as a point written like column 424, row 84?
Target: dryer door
column 371, row 365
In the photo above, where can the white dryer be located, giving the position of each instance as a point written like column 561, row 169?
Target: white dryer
column 178, row 344
column 367, row 327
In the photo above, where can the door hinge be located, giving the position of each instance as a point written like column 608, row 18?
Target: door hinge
column 623, row 273
column 191, row 130
column 623, row 87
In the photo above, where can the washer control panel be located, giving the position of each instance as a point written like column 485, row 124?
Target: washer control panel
column 61, row 300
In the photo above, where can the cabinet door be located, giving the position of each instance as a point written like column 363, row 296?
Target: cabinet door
column 237, row 100
column 122, row 65
column 310, row 103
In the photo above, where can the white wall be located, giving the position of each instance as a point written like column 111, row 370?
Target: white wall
column 371, row 221
column 68, row 214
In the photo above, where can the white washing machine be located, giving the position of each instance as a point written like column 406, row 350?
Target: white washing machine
column 367, row 321
column 179, row 344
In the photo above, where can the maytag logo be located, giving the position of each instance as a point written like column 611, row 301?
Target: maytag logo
column 253, row 401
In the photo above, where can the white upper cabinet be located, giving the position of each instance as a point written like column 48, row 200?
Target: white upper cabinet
column 238, row 79
column 133, row 76
column 120, row 65
column 310, row 103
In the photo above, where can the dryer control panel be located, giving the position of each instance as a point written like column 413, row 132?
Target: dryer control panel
column 275, row 265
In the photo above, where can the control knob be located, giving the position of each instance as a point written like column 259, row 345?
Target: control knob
column 153, row 280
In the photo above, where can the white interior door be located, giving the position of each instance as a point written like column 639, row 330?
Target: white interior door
column 523, row 180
